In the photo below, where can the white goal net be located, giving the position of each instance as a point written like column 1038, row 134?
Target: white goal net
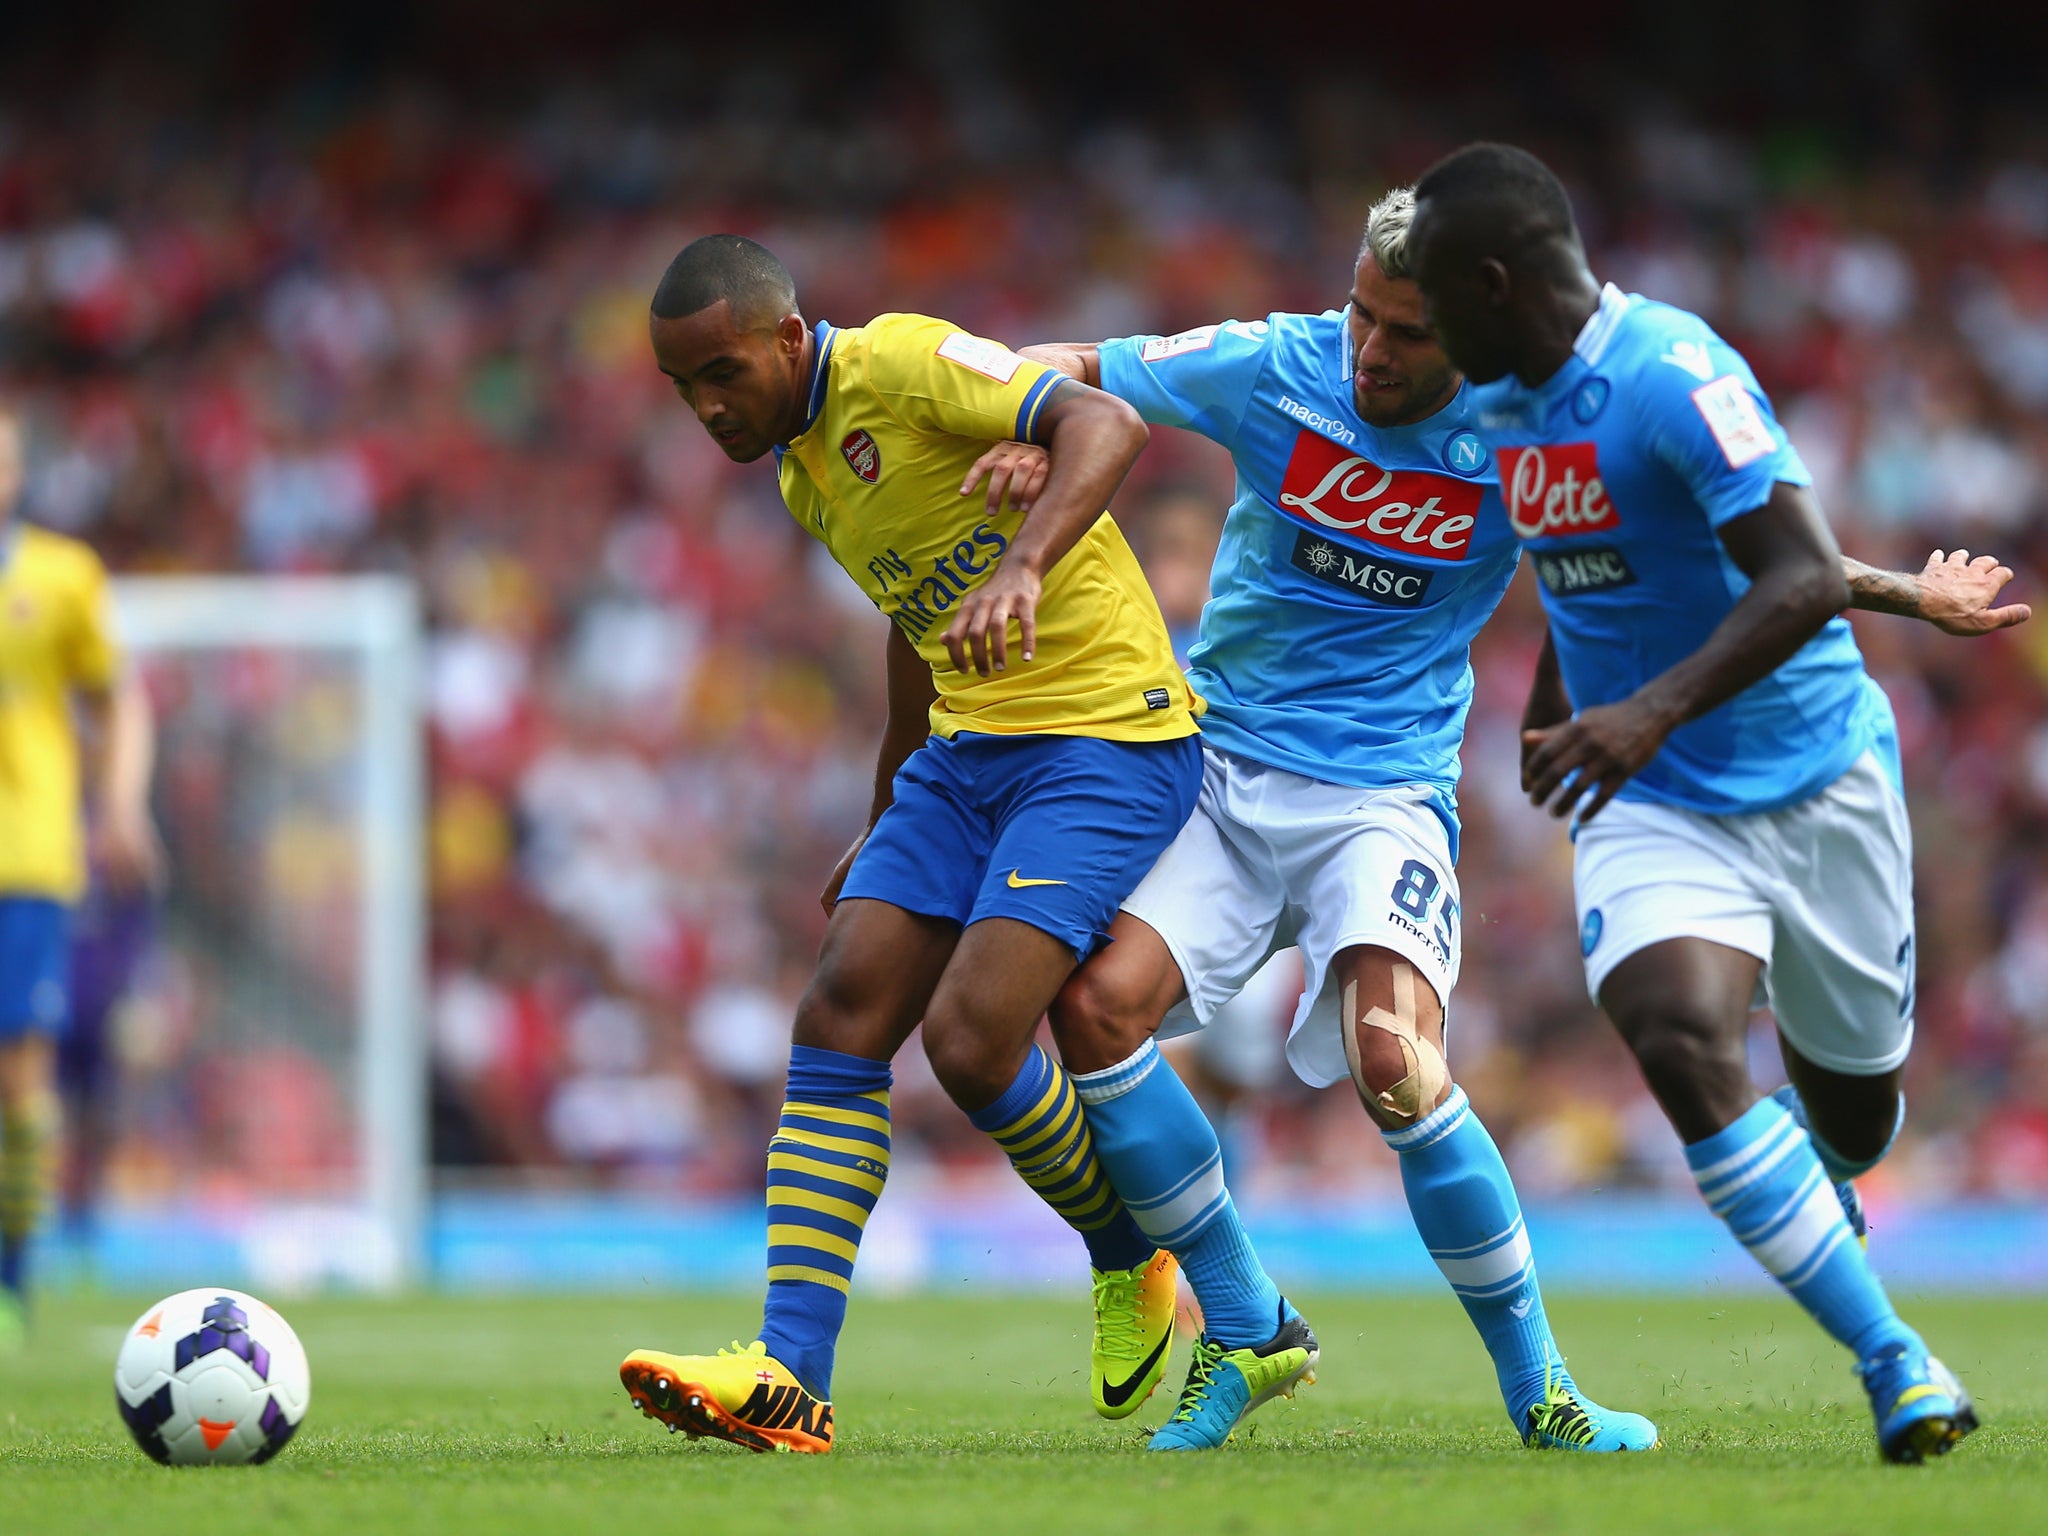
column 267, row 1117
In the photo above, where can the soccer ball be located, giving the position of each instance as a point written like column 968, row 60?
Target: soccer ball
column 212, row 1377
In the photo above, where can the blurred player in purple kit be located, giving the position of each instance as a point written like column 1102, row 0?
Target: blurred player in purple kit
column 1702, row 713
column 111, row 933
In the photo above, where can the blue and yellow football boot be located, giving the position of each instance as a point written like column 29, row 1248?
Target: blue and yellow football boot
column 1920, row 1406
column 1565, row 1419
column 1133, row 1333
column 1224, row 1385
column 742, row 1395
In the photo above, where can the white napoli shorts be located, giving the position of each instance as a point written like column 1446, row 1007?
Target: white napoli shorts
column 1821, row 892
column 1271, row 859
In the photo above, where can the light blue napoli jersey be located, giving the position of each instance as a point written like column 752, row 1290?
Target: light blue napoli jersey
column 1356, row 562
column 1617, row 472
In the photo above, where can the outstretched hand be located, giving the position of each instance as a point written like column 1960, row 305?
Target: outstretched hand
column 1957, row 594
column 1018, row 469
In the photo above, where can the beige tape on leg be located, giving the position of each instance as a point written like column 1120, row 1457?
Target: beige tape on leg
column 1415, row 1095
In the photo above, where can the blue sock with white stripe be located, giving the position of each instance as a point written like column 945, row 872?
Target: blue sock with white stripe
column 1465, row 1207
column 1762, row 1177
column 1162, row 1155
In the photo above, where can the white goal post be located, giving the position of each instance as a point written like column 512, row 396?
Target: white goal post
column 360, row 637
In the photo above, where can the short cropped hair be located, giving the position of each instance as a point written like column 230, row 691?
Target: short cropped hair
column 1386, row 231
column 742, row 272
column 1506, row 185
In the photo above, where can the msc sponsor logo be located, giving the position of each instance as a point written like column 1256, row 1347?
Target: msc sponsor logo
column 1555, row 491
column 914, row 603
column 1314, row 419
column 1392, row 586
column 1418, row 512
column 862, row 454
column 1596, row 568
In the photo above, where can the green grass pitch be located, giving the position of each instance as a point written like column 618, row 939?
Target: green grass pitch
column 497, row 1417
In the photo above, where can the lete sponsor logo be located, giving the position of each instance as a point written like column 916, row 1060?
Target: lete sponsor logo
column 863, row 455
column 1554, row 491
column 1415, row 511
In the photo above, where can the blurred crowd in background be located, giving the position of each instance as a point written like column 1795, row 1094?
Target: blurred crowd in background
column 389, row 328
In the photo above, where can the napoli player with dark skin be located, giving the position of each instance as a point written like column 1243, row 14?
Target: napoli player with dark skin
column 1508, row 290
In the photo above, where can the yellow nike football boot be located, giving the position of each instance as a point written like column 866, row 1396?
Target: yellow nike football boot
column 742, row 1394
column 1133, row 1333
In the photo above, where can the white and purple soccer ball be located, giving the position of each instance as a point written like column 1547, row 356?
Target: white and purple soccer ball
column 212, row 1377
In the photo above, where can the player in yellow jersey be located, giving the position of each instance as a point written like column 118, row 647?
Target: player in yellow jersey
column 56, row 651
column 1040, row 751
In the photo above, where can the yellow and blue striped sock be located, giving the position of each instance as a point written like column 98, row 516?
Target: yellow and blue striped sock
column 826, row 1167
column 1040, row 1127
column 28, row 1167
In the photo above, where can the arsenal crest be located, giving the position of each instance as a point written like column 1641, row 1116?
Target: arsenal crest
column 863, row 455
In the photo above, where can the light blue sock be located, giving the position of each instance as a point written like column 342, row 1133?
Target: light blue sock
column 1761, row 1176
column 1161, row 1154
column 1465, row 1207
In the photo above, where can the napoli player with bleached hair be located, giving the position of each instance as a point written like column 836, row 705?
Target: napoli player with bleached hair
column 1366, row 547
column 1355, row 566
column 1703, row 714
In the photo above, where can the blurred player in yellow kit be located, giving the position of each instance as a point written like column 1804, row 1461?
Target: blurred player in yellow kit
column 1028, row 777
column 57, row 650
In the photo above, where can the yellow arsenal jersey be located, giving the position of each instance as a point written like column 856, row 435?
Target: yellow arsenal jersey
column 900, row 408
column 55, row 638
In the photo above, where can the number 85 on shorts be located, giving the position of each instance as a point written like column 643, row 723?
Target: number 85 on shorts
column 1416, row 906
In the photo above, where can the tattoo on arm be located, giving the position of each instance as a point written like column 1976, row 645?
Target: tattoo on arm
column 1880, row 591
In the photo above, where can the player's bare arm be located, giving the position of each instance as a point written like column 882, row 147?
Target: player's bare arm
column 1789, row 554
column 1955, row 593
column 1078, row 360
column 911, row 692
column 1549, row 705
column 1093, row 439
column 125, row 839
column 1018, row 470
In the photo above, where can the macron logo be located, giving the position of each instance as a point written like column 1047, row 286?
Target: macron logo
column 1316, row 421
column 1692, row 357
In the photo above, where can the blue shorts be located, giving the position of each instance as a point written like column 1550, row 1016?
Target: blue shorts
column 35, row 965
column 1054, row 831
